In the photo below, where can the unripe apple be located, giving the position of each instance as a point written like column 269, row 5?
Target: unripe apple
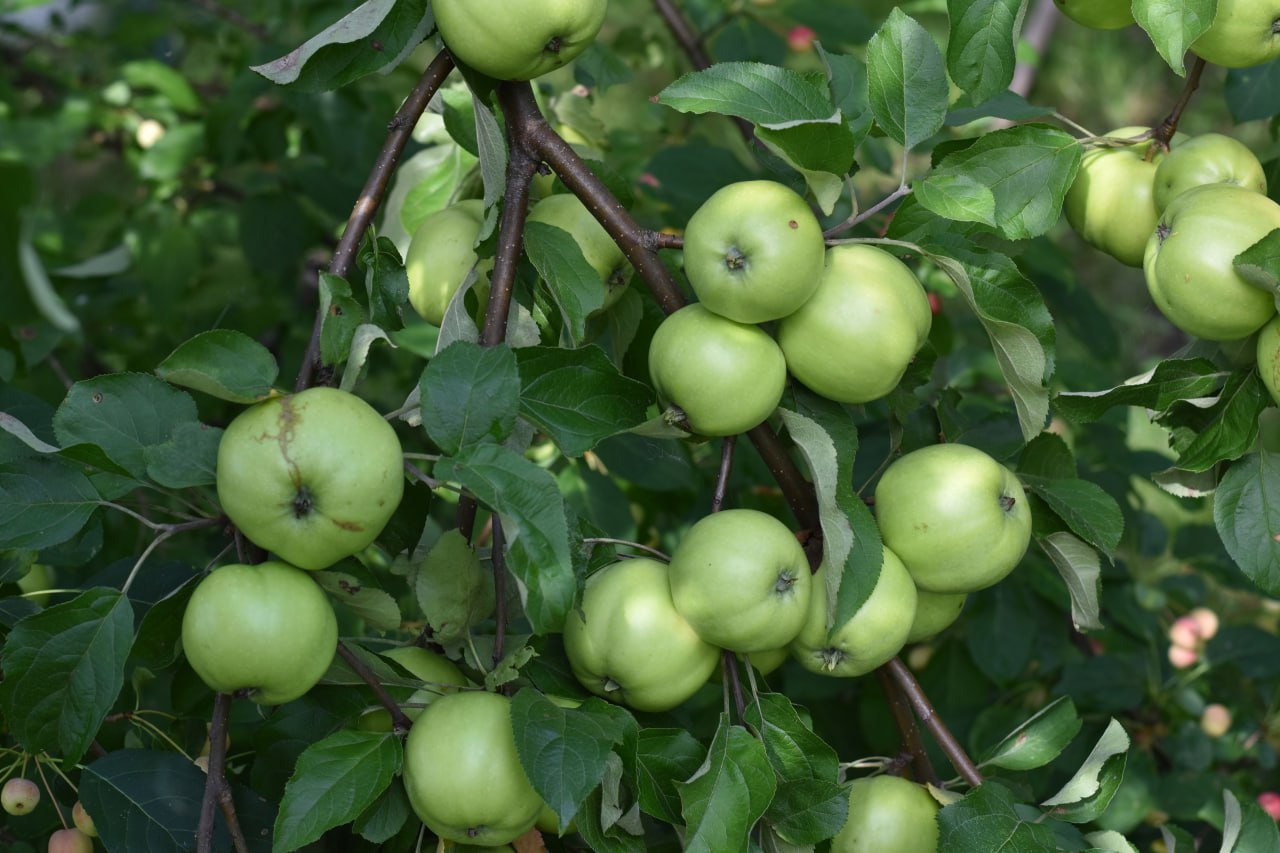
column 1182, row 657
column 888, row 814
column 518, row 41
column 567, row 212
column 1206, row 621
column 441, row 254
column 1211, row 158
column 1244, row 33
column 1215, row 720
column 1268, row 351
column 19, row 796
column 1098, row 14
column 37, row 579
column 1111, row 203
column 83, row 822
column 1185, row 632
column 935, row 611
column 70, row 841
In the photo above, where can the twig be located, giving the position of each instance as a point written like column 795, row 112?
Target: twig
column 691, row 43
column 910, row 689
column 499, row 560
column 858, row 218
column 722, row 479
column 913, row 746
column 1041, row 21
column 399, row 130
column 1163, row 133
column 400, row 722
column 216, row 790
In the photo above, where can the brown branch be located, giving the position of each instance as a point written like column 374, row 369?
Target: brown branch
column 399, row 721
column 399, row 130
column 499, row 561
column 913, row 746
column 1163, row 132
column 912, row 692
column 729, row 663
column 216, row 791
column 722, row 479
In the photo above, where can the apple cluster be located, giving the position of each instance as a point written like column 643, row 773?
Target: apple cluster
column 20, row 796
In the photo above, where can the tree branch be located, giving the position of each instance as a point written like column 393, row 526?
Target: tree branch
column 399, row 130
column 910, row 688
column 911, row 742
column 216, row 791
column 399, row 721
column 726, row 465
column 499, row 561
column 691, row 43
column 1163, row 133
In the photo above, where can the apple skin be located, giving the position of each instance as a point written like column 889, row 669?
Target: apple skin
column 440, row 254
column 1210, row 158
column 764, row 663
column 284, row 638
column 726, row 376
column 888, row 814
column 483, row 795
column 518, row 40
column 312, row 477
column 1269, row 357
column 1244, row 33
column 753, row 251
column 437, row 670
column 34, row 583
column 83, row 822
column 628, row 644
column 19, row 796
column 958, row 519
column 855, row 336
column 568, row 213
column 70, row 841
column 742, row 581
column 1189, row 258
column 935, row 611
column 1097, row 14
column 872, row 635
column 1111, row 203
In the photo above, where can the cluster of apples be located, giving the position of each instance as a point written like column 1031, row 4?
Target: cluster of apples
column 20, row 796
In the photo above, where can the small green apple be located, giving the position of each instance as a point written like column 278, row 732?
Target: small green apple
column 83, row 822
column 1210, row 158
column 1244, row 33
column 518, row 41
column 935, row 611
column 568, row 213
column 70, row 841
column 1111, row 203
column 888, row 814
column 441, row 254
column 19, row 796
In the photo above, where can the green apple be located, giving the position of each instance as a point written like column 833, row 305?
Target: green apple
column 935, row 611
column 872, row 635
column 855, row 336
column 19, row 796
column 34, row 583
column 1098, row 14
column 753, row 251
column 958, row 519
column 440, row 674
column 1244, row 33
column 518, row 41
column 742, row 581
column 462, row 772
column 888, row 814
column 1111, row 203
column 1207, row 159
column 1189, row 263
column 1268, row 348
column 281, row 638
column 764, row 663
column 628, row 644
column 83, row 822
column 726, row 376
column 312, row 477
column 441, row 254
column 568, row 213
column 70, row 841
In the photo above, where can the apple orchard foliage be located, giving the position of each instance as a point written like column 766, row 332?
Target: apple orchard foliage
column 165, row 213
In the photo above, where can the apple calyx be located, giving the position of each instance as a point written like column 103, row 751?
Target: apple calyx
column 554, row 45
column 1007, row 502
column 303, row 503
column 1162, row 233
column 786, row 580
column 831, row 658
column 734, row 258
column 610, row 685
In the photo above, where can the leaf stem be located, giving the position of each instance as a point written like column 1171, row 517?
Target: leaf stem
column 1163, row 133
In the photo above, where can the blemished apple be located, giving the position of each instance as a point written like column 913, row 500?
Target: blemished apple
column 518, row 42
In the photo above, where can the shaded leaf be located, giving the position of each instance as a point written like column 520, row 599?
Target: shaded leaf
column 470, row 395
column 1039, row 740
column 224, row 363
column 728, row 793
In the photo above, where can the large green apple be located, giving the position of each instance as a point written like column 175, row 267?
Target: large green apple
column 888, row 814
column 568, row 213
column 753, row 251
column 628, row 644
column 1098, row 14
column 874, row 633
column 1207, row 159
column 1111, row 204
column 854, row 338
column 934, row 612
column 441, row 254
column 1268, row 348
column 726, row 376
column 1189, row 259
column 462, row 772
column 266, row 628
column 518, row 39
column 1244, row 33
column 312, row 477
column 957, row 518
column 742, row 581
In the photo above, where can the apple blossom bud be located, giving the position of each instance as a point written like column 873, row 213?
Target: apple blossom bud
column 1185, row 632
column 1182, row 657
column 801, row 39
column 1270, row 802
column 1206, row 621
column 1216, row 720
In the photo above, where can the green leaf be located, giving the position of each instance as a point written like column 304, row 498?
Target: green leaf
column 600, row 825
column 564, row 750
column 1253, row 93
column 381, row 821
column 980, row 54
column 375, row 606
column 573, row 284
column 1247, row 828
column 534, row 520
column 64, row 668
column 1226, row 430
column 124, row 414
column 1090, row 512
column 577, row 396
column 1027, row 168
column 43, row 503
column 906, row 80
column 1089, row 792
column 1039, row 740
column 224, row 363
column 1111, row 841
column 375, row 36
column 765, row 95
column 1158, row 389
column 1081, row 570
column 792, row 748
column 1174, row 25
column 189, row 458
column 493, row 152
column 821, row 152
column 987, row 819
column 342, row 314
column 1260, row 263
column 1246, row 511
column 958, row 197
column 168, row 82
column 470, row 395
column 334, row 780
column 655, row 759
column 453, row 589
column 806, row 811
column 725, row 797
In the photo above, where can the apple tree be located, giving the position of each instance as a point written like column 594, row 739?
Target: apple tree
column 621, row 426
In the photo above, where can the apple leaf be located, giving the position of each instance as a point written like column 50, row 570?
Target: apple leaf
column 189, row 458
column 453, row 589
column 958, row 197
column 492, row 145
column 470, row 395
column 1177, row 839
column 43, row 503
column 1110, row 840
column 906, row 80
column 1246, row 510
column 573, row 283
column 602, row 823
column 821, row 152
column 63, row 668
column 564, row 750
column 1088, row 510
column 765, row 95
column 793, row 749
column 1173, row 25
column 334, row 780
column 725, row 797
column 381, row 821
column 980, row 55
column 806, row 811
column 223, row 363
column 1081, row 570
column 988, row 819
column 1089, row 792
column 1157, row 389
column 1223, row 431
column 1039, row 740
column 1246, row 827
column 375, row 606
column 654, row 758
column 342, row 314
column 577, row 396
column 1260, row 263
column 1253, row 93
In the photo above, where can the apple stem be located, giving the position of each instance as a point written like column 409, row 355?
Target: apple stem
column 216, row 791
column 1163, row 133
